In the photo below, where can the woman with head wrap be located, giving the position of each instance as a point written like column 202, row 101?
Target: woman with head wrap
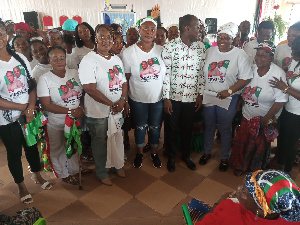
column 23, row 29
column 266, row 197
column 262, row 107
column 227, row 70
column 145, row 70
column 69, row 26
column 85, row 41
column 290, row 117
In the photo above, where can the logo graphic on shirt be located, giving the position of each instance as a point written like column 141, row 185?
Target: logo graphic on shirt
column 115, row 79
column 286, row 62
column 70, row 92
column 217, row 71
column 250, row 95
column 290, row 75
column 149, row 70
column 15, row 81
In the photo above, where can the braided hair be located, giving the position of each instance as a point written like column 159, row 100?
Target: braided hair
column 31, row 83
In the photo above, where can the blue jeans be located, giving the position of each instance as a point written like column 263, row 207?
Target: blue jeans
column 214, row 115
column 146, row 115
column 98, row 131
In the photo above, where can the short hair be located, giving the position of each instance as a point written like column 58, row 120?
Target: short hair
column 266, row 25
column 36, row 41
column 107, row 27
column 115, row 27
column 79, row 43
column 295, row 26
column 54, row 48
column 185, row 21
column 164, row 29
column 296, row 46
column 68, row 39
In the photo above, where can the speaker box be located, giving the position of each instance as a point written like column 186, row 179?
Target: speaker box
column 31, row 18
column 212, row 24
column 158, row 19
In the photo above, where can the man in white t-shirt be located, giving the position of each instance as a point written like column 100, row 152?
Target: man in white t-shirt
column 183, row 87
column 265, row 30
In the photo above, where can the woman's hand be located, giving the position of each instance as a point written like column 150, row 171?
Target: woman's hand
column 168, row 106
column 126, row 110
column 279, row 84
column 118, row 106
column 240, row 104
column 77, row 113
column 223, row 94
column 29, row 114
column 264, row 122
column 155, row 11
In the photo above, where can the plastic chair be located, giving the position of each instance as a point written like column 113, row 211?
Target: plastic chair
column 186, row 214
column 62, row 19
column 40, row 221
column 78, row 19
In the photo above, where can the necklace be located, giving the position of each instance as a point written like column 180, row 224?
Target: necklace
column 105, row 56
column 142, row 47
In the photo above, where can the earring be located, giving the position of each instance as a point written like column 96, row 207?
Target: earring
column 256, row 217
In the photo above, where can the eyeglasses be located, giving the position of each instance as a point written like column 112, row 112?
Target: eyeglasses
column 56, row 59
column 226, row 38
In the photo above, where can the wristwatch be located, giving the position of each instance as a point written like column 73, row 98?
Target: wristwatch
column 229, row 91
column 69, row 112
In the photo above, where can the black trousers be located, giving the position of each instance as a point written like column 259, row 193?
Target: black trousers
column 13, row 139
column 180, row 122
column 288, row 139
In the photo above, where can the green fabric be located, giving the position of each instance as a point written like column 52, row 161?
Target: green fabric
column 73, row 140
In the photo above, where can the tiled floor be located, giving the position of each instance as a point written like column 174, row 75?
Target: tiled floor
column 147, row 196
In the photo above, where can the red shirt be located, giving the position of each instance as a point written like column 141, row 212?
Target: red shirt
column 230, row 213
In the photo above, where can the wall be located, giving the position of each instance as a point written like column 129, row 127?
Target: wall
column 226, row 11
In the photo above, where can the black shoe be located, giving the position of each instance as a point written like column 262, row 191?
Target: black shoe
column 137, row 163
column 156, row 161
column 203, row 160
column 189, row 163
column 223, row 166
column 171, row 165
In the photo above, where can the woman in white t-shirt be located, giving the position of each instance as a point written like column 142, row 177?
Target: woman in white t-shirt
column 145, row 71
column 283, row 53
column 59, row 92
column 85, row 41
column 262, row 106
column 17, row 105
column 39, row 51
column 290, row 117
column 103, row 79
column 227, row 70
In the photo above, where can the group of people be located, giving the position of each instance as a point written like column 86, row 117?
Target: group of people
column 149, row 79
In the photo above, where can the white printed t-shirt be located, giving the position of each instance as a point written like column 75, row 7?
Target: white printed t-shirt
column 259, row 96
column 13, row 87
column 78, row 53
column 147, row 73
column 39, row 70
column 292, row 77
column 224, row 69
column 109, row 77
column 249, row 48
column 283, row 56
column 65, row 92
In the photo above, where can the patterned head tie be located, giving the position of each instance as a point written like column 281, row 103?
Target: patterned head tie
column 268, row 45
column 275, row 192
column 146, row 19
column 9, row 22
column 229, row 28
column 53, row 31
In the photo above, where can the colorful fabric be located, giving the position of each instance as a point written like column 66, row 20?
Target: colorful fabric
column 70, row 25
column 229, row 28
column 275, row 192
column 53, row 31
column 250, row 150
column 198, row 209
column 72, row 136
column 22, row 26
column 143, row 20
column 184, row 79
column 229, row 213
column 8, row 22
column 268, row 45
column 23, row 217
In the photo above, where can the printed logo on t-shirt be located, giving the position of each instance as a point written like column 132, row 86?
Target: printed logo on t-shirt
column 15, row 82
column 115, row 79
column 217, row 71
column 286, row 62
column 149, row 70
column 250, row 95
column 290, row 75
column 70, row 92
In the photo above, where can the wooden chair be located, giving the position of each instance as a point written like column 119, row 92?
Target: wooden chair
column 47, row 22
column 78, row 19
column 62, row 19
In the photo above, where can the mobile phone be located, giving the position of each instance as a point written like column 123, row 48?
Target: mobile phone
column 22, row 120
